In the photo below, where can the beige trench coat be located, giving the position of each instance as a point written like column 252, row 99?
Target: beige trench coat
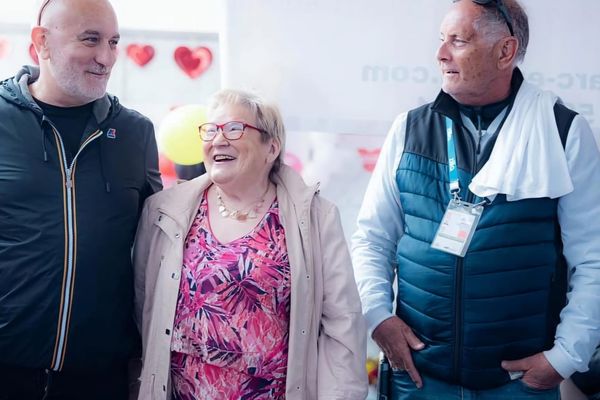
column 326, row 358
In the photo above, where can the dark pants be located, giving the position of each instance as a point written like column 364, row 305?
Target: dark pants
column 38, row 384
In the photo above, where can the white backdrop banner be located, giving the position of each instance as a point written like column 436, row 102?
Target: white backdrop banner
column 352, row 65
column 342, row 70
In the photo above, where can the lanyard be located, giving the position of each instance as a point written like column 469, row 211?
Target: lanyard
column 452, row 166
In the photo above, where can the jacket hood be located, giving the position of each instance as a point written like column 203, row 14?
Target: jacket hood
column 299, row 192
column 16, row 90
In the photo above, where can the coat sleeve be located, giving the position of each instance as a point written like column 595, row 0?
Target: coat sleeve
column 141, row 251
column 342, row 340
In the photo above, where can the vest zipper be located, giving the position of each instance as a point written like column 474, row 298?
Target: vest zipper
column 64, row 316
column 458, row 279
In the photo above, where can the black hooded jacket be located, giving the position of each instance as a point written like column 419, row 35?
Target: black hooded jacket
column 66, row 283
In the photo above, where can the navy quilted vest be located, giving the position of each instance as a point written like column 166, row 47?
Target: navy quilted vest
column 501, row 301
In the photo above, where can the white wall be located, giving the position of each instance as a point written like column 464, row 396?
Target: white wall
column 172, row 15
column 339, row 66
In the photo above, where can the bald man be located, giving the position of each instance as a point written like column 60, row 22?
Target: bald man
column 75, row 169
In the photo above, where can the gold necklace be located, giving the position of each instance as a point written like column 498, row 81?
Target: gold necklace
column 240, row 215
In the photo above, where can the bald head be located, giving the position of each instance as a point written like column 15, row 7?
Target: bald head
column 53, row 13
column 76, row 42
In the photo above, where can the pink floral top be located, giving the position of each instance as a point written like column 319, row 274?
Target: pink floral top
column 230, row 337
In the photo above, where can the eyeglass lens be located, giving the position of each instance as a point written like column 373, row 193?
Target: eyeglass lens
column 231, row 130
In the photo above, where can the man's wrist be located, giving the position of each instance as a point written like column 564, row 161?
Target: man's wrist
column 560, row 361
column 375, row 317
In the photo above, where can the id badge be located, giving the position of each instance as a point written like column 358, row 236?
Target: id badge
column 457, row 227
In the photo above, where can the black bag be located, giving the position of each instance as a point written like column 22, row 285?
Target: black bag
column 384, row 375
column 589, row 382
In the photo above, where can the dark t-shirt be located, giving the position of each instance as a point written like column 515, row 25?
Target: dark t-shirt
column 70, row 123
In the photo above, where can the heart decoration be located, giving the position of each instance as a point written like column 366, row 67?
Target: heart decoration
column 369, row 158
column 141, row 54
column 193, row 61
column 4, row 47
column 33, row 54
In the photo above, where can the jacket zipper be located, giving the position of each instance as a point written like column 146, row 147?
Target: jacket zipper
column 64, row 317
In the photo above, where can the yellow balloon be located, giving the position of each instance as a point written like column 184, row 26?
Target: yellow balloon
column 178, row 136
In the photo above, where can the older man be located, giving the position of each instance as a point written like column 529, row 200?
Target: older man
column 75, row 168
column 482, row 207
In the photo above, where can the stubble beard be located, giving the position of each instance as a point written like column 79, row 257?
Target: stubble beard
column 76, row 83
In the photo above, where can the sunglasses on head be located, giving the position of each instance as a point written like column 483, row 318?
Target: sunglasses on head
column 42, row 7
column 500, row 7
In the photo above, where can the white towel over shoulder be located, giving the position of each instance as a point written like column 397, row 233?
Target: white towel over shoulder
column 528, row 159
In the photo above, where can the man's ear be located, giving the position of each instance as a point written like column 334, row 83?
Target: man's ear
column 39, row 38
column 507, row 52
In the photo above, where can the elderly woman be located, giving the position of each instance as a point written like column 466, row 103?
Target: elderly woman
column 244, row 286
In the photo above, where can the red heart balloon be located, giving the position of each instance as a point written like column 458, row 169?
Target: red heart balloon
column 33, row 54
column 369, row 158
column 193, row 61
column 4, row 47
column 140, row 54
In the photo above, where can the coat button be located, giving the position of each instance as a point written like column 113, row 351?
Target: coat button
column 177, row 235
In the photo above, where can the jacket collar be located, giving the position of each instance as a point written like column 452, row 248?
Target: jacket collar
column 181, row 202
column 446, row 105
column 291, row 184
